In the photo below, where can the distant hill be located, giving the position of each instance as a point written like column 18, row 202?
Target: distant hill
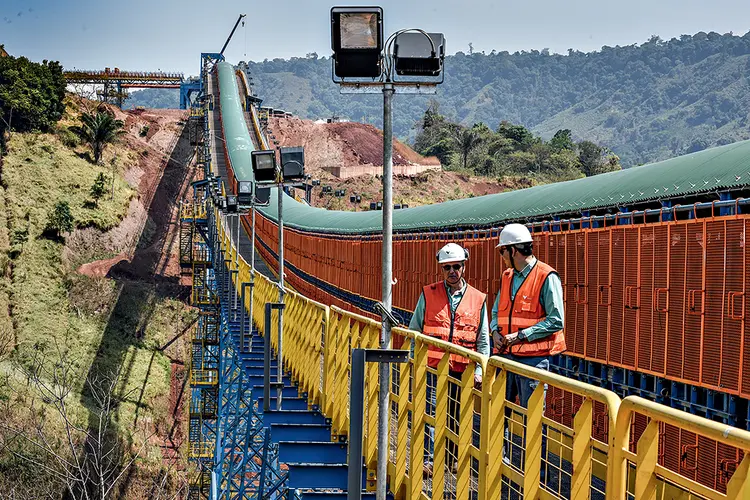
column 154, row 98
column 646, row 102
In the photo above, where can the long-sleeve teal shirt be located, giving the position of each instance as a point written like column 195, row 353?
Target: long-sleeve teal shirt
column 552, row 300
column 483, row 335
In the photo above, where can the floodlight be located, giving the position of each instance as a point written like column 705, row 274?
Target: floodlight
column 357, row 41
column 264, row 166
column 293, row 163
column 232, row 203
column 417, row 55
column 262, row 195
column 244, row 192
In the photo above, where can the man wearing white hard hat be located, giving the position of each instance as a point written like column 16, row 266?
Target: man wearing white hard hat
column 454, row 311
column 528, row 315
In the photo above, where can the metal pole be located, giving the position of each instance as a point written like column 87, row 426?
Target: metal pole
column 237, row 264
column 385, row 336
column 252, row 269
column 267, row 361
column 279, row 363
column 356, row 419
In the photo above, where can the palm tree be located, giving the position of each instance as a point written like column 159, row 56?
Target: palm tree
column 98, row 130
column 466, row 139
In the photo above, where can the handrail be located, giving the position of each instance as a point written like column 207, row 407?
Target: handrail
column 319, row 360
column 647, row 470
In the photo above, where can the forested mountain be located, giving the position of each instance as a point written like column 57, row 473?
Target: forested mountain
column 645, row 102
column 153, row 98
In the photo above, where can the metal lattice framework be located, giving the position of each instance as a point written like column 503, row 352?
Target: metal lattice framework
column 229, row 445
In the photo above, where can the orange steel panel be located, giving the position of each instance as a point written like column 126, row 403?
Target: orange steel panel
column 603, row 295
column 741, row 309
column 592, row 268
column 728, row 459
column 571, row 290
column 713, row 340
column 659, row 318
column 671, row 444
column 675, row 301
column 688, row 454
column 694, row 295
column 646, row 285
column 617, row 340
column 733, row 309
column 707, row 462
column 576, row 292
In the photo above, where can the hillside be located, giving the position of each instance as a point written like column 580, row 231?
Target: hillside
column 358, row 148
column 646, row 102
column 82, row 315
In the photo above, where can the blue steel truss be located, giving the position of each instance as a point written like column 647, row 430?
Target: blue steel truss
column 244, row 463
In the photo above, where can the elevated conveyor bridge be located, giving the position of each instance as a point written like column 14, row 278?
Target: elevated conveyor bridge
column 485, row 447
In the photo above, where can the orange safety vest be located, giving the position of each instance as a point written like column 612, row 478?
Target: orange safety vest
column 526, row 310
column 460, row 327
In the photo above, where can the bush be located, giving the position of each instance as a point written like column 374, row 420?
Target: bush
column 60, row 219
column 144, row 131
column 98, row 189
column 67, row 137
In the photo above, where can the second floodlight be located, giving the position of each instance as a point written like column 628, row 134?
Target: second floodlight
column 415, row 54
column 264, row 166
column 292, row 163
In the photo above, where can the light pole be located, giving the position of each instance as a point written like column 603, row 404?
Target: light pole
column 363, row 64
column 266, row 172
column 247, row 198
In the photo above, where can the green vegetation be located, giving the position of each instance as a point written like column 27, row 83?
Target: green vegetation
column 511, row 151
column 646, row 102
column 98, row 188
column 98, row 130
column 154, row 98
column 52, row 316
column 31, row 95
column 60, row 219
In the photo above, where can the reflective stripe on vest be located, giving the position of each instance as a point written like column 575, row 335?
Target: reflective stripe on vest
column 526, row 310
column 461, row 327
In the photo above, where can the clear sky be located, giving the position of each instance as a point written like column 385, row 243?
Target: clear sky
column 169, row 34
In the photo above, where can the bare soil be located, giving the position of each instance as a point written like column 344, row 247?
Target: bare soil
column 356, row 144
column 153, row 151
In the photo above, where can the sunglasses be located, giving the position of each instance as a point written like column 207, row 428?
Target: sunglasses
column 455, row 267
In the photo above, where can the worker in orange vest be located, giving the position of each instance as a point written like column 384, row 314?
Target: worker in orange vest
column 454, row 311
column 528, row 315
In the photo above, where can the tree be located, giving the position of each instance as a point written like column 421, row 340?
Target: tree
column 60, row 219
column 88, row 462
column 98, row 130
column 563, row 139
column 517, row 133
column 595, row 159
column 31, row 94
column 98, row 188
column 466, row 139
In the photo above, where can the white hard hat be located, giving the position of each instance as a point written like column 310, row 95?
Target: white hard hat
column 513, row 234
column 452, row 253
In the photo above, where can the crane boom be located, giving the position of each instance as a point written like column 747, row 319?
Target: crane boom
column 232, row 33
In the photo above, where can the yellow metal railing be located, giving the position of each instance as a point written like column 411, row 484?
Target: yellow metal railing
column 640, row 475
column 204, row 377
column 485, row 447
column 202, row 449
